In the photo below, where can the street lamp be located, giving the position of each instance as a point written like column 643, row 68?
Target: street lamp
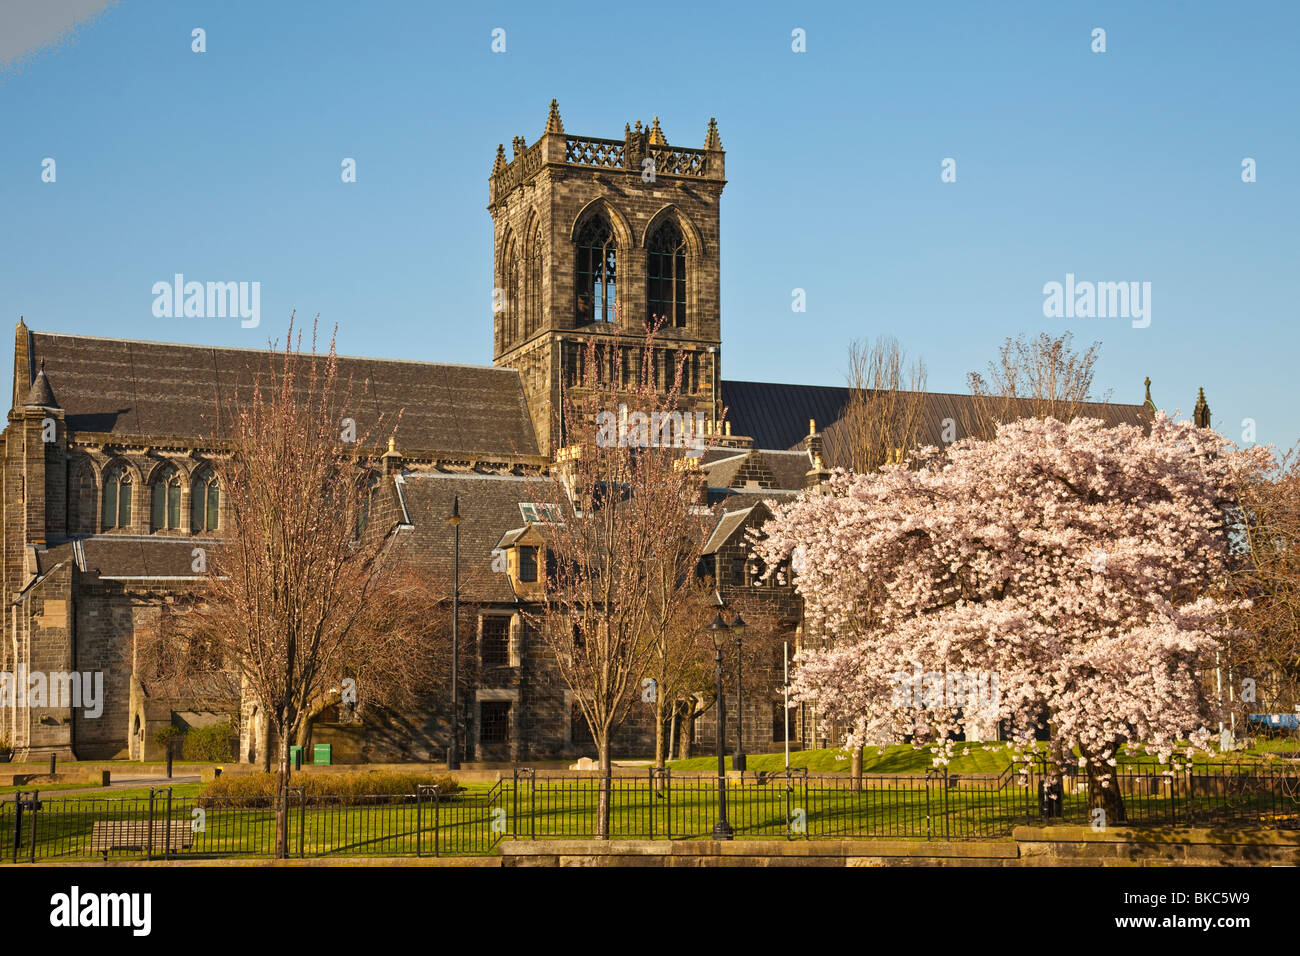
column 738, row 758
column 717, row 629
column 453, row 751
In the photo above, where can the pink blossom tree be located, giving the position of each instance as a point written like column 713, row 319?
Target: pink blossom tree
column 1073, row 567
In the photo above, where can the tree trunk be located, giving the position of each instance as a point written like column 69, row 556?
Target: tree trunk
column 661, row 741
column 685, row 734
column 282, row 799
column 1106, row 798
column 855, row 768
column 606, row 784
column 673, row 724
column 265, row 745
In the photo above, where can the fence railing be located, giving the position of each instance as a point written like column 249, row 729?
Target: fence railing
column 163, row 825
column 658, row 804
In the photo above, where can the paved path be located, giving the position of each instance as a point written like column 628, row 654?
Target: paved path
column 119, row 783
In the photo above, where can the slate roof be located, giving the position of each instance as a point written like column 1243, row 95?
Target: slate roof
column 733, row 498
column 489, row 507
column 41, row 395
column 490, row 518
column 125, row 387
column 789, row 468
column 722, row 471
column 727, row 526
column 127, row 556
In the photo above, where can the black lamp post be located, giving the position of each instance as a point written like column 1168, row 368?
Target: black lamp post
column 453, row 751
column 738, row 758
column 717, row 629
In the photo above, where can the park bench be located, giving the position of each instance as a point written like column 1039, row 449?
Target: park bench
column 109, row 835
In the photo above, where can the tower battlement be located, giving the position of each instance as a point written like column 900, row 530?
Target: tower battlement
column 642, row 148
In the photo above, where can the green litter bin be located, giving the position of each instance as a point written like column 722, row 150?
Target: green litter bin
column 293, row 755
column 320, row 753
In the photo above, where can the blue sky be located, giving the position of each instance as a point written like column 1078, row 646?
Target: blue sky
column 1115, row 166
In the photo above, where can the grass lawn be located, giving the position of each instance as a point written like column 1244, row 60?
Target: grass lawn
column 970, row 758
column 897, row 758
column 478, row 818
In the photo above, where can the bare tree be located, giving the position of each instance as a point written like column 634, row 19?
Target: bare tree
column 1041, row 377
column 1262, row 664
column 679, row 662
column 293, row 591
column 628, row 531
column 398, row 657
column 882, row 420
column 683, row 662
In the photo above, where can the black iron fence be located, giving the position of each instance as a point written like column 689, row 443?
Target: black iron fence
column 163, row 826
column 655, row 805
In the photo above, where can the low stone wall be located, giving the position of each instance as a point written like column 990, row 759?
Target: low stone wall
column 754, row 853
column 35, row 780
column 1029, row 846
column 1127, row 846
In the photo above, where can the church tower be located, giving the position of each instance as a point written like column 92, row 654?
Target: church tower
column 592, row 237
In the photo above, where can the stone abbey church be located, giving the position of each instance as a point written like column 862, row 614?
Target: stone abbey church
column 112, row 478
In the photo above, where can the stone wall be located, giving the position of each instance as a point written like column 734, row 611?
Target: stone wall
column 1030, row 846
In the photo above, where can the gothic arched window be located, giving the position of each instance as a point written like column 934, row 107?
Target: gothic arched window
column 533, row 284
column 81, row 499
column 597, row 271
column 666, row 276
column 510, row 308
column 117, row 497
column 205, row 501
column 165, row 499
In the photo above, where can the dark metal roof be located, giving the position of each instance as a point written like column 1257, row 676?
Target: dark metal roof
column 776, row 415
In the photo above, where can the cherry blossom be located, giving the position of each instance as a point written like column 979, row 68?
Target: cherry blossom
column 1081, row 564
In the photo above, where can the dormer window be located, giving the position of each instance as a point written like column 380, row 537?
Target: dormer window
column 525, row 548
